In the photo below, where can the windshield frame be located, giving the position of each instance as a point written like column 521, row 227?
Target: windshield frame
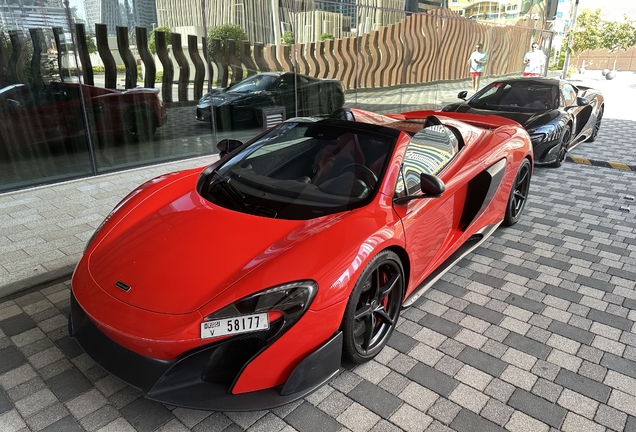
column 289, row 198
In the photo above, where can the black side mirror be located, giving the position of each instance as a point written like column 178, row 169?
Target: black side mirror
column 431, row 185
column 462, row 94
column 226, row 146
column 581, row 101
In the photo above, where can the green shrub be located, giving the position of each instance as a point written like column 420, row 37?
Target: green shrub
column 288, row 37
column 152, row 45
column 325, row 36
column 226, row 32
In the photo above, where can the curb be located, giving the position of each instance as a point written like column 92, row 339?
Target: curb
column 591, row 162
column 35, row 281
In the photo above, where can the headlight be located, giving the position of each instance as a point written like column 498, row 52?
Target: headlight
column 256, row 312
column 537, row 138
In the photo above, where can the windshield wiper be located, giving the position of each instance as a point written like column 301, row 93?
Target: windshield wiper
column 230, row 191
column 238, row 199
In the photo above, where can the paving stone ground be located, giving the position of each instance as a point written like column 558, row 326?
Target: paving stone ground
column 533, row 331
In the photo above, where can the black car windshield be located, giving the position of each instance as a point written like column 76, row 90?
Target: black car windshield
column 526, row 96
column 303, row 169
column 253, row 84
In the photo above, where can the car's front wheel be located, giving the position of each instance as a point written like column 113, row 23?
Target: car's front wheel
column 518, row 194
column 564, row 145
column 373, row 308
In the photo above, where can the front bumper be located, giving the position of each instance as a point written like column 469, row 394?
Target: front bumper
column 203, row 378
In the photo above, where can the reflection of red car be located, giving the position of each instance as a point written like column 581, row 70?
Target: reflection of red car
column 54, row 113
column 240, row 286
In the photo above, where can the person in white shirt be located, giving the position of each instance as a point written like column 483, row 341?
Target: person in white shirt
column 477, row 62
column 534, row 61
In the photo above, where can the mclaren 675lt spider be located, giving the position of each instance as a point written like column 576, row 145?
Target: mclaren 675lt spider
column 244, row 284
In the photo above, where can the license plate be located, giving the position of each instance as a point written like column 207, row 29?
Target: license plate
column 234, row 325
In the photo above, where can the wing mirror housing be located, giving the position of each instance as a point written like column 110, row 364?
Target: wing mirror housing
column 462, row 95
column 581, row 101
column 227, row 146
column 431, row 187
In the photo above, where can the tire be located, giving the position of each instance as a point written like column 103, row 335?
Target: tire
column 518, row 194
column 373, row 308
column 139, row 125
column 597, row 126
column 563, row 148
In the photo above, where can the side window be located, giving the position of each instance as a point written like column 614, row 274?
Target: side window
column 429, row 151
column 568, row 94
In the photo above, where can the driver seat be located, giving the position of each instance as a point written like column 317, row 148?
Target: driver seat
column 334, row 157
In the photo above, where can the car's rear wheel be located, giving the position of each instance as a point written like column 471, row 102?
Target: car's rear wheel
column 139, row 125
column 563, row 148
column 597, row 126
column 373, row 308
column 518, row 194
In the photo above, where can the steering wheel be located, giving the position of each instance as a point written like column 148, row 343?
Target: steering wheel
column 364, row 169
column 543, row 100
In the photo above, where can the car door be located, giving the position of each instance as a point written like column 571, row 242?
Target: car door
column 427, row 222
column 568, row 96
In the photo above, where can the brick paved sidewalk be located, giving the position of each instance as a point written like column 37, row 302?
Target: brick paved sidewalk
column 534, row 331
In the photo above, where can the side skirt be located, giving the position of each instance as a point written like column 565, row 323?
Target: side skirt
column 471, row 244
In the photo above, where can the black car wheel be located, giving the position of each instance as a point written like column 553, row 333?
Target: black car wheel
column 373, row 308
column 139, row 125
column 518, row 194
column 597, row 126
column 563, row 148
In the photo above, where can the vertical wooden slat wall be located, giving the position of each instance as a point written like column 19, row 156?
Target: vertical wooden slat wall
column 419, row 48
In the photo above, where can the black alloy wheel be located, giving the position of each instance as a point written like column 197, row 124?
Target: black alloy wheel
column 564, row 145
column 597, row 126
column 518, row 194
column 373, row 308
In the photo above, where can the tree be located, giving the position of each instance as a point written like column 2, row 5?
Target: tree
column 226, row 32
column 588, row 31
column 152, row 46
column 90, row 44
column 618, row 35
column 288, row 37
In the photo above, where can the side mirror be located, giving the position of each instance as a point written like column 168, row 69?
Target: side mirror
column 431, row 185
column 227, row 146
column 581, row 101
column 462, row 94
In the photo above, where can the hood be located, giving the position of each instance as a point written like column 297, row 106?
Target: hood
column 178, row 251
column 526, row 119
column 221, row 97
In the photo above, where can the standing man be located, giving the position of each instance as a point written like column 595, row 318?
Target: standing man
column 477, row 62
column 534, row 61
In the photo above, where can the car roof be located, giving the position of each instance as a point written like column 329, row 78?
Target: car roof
column 543, row 80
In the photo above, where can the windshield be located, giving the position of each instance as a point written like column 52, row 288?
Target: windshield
column 517, row 96
column 255, row 83
column 304, row 169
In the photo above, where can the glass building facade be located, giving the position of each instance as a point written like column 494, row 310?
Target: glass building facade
column 95, row 86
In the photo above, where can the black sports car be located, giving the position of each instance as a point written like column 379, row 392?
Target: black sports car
column 242, row 104
column 557, row 114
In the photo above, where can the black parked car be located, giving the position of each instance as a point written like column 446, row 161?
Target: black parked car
column 241, row 104
column 557, row 114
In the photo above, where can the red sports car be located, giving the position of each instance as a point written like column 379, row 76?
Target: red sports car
column 53, row 113
column 242, row 285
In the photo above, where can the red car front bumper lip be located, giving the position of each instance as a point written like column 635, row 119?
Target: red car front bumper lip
column 180, row 382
